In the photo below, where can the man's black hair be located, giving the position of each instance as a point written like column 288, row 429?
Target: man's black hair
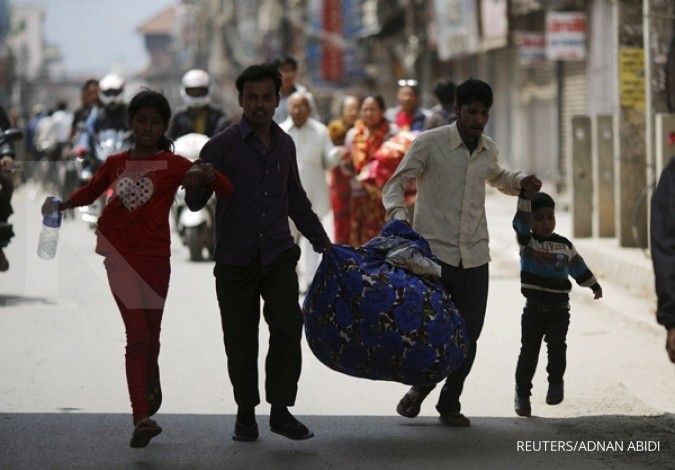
column 445, row 92
column 541, row 200
column 257, row 73
column 286, row 60
column 472, row 90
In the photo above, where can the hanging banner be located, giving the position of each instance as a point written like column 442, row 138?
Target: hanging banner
column 457, row 26
column 531, row 47
column 494, row 21
column 565, row 36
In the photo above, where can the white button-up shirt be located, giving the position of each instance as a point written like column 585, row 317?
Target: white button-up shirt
column 450, row 206
column 316, row 154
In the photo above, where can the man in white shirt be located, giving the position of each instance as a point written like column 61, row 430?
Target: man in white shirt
column 316, row 155
column 452, row 164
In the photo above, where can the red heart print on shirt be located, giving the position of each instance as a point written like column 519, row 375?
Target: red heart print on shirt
column 134, row 193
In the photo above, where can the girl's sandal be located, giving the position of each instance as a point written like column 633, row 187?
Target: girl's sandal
column 144, row 431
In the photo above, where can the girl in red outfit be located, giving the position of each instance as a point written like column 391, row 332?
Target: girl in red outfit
column 133, row 236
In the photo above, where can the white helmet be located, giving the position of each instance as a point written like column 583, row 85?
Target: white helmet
column 189, row 145
column 111, row 89
column 198, row 80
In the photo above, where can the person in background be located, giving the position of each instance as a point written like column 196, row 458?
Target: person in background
column 288, row 67
column 88, row 100
column 198, row 115
column 256, row 255
column 316, row 155
column 133, row 236
column 111, row 114
column 6, row 190
column 452, row 165
column 363, row 140
column 662, row 235
column 408, row 115
column 341, row 175
column 443, row 113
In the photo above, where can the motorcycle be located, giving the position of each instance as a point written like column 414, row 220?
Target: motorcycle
column 107, row 142
column 6, row 189
column 195, row 228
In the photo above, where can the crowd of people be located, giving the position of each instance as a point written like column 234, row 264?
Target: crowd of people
column 278, row 174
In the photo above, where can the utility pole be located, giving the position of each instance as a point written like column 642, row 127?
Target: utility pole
column 630, row 127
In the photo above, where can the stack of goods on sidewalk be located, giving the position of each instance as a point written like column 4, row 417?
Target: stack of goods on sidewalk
column 380, row 311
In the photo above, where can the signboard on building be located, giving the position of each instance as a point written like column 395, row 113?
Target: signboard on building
column 457, row 28
column 494, row 22
column 565, row 36
column 531, row 47
column 632, row 77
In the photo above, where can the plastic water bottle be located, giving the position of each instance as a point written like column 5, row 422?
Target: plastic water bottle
column 49, row 237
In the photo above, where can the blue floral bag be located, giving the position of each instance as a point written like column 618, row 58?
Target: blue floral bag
column 367, row 318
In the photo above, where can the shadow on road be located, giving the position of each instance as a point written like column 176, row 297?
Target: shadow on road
column 15, row 300
column 69, row 440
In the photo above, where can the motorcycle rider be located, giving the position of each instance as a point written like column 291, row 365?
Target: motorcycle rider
column 197, row 116
column 111, row 114
column 6, row 190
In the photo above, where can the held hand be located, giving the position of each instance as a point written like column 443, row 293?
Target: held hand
column 530, row 185
column 49, row 206
column 597, row 293
column 670, row 344
column 199, row 176
column 325, row 247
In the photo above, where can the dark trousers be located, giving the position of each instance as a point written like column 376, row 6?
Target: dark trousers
column 468, row 288
column 239, row 289
column 549, row 322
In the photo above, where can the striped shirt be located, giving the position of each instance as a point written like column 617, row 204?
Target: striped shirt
column 547, row 263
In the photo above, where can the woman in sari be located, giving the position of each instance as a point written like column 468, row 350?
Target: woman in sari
column 364, row 139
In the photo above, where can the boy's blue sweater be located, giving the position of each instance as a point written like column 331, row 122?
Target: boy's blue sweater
column 546, row 263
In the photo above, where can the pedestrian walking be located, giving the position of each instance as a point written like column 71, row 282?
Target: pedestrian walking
column 341, row 175
column 255, row 253
column 443, row 114
column 547, row 259
column 316, row 155
column 451, row 165
column 663, row 252
column 408, row 115
column 288, row 67
column 370, row 131
column 133, row 236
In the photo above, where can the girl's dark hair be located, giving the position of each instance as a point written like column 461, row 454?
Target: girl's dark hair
column 155, row 100
column 259, row 72
column 377, row 98
column 541, row 200
column 474, row 90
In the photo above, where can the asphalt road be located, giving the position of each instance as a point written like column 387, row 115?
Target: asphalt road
column 64, row 403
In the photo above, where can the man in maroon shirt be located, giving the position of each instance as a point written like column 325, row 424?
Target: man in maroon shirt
column 256, row 255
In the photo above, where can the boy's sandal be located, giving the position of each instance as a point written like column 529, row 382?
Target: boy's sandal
column 144, row 431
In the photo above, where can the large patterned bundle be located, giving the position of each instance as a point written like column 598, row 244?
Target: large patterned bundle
column 368, row 318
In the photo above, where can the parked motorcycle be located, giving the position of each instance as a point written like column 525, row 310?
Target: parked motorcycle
column 195, row 228
column 107, row 142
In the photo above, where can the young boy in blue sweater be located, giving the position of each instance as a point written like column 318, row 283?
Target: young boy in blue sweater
column 546, row 261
